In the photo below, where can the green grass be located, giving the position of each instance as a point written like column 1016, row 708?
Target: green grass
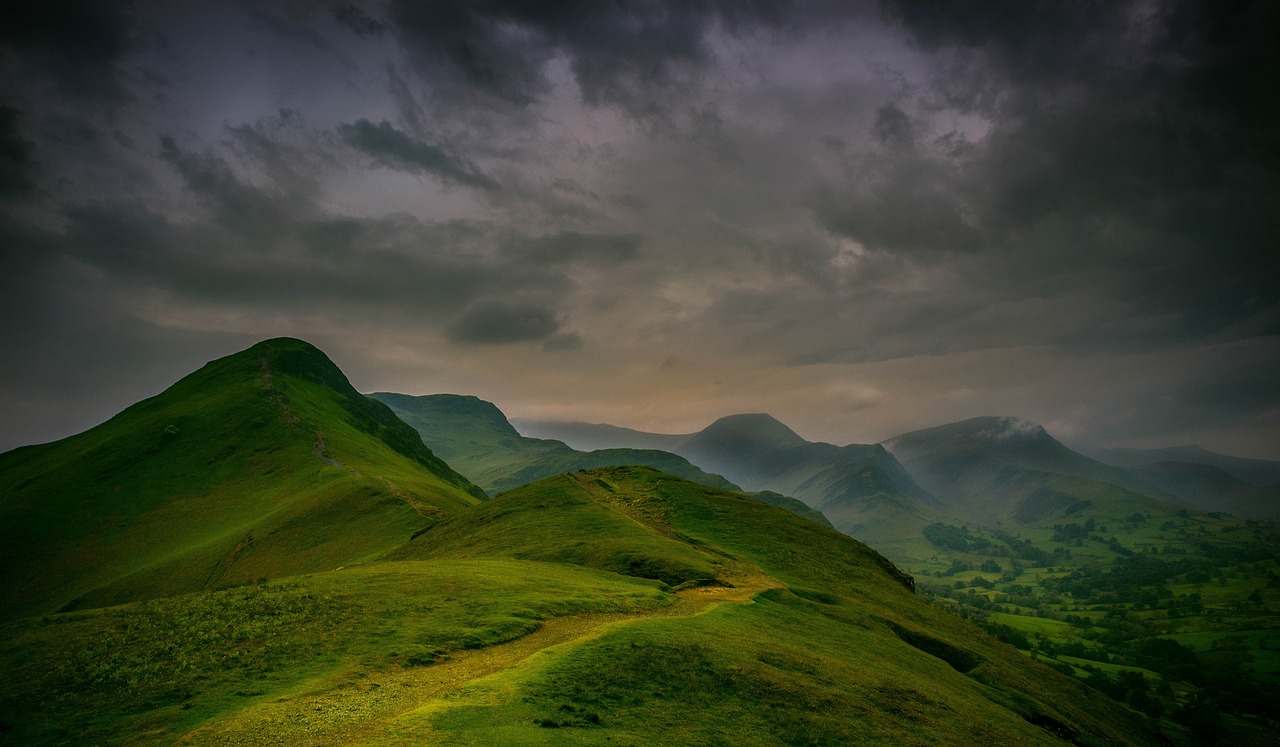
column 844, row 654
column 163, row 666
column 261, row 464
column 560, row 520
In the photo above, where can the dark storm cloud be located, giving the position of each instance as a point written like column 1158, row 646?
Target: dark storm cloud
column 571, row 246
column 257, row 215
column 78, row 43
column 1130, row 147
column 635, row 54
column 17, row 166
column 357, row 20
column 294, row 24
column 497, row 322
column 394, row 149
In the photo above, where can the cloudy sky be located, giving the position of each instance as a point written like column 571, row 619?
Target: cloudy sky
column 862, row 218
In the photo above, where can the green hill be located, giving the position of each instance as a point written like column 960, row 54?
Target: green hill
column 615, row 606
column 261, row 464
column 477, row 439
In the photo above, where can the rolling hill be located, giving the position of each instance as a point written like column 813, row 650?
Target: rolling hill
column 614, row 606
column 261, row 464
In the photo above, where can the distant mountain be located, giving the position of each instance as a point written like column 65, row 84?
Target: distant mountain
column 592, row 436
column 261, row 464
column 475, row 437
column 1210, row 488
column 992, row 469
column 862, row 489
column 1252, row 471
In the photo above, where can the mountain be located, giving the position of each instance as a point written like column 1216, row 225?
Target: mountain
column 591, row 436
column 1210, row 488
column 261, row 464
column 992, row 469
column 1258, row 472
column 613, row 606
column 862, row 489
column 476, row 438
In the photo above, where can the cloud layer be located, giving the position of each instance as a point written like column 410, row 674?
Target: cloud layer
column 861, row 217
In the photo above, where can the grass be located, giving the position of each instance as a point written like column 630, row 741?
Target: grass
column 261, row 464
column 836, row 649
column 843, row 654
column 163, row 666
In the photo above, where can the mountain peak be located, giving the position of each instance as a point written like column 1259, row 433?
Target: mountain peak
column 987, row 429
column 1008, row 429
column 755, row 428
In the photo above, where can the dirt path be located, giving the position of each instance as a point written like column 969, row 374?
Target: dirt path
column 355, row 710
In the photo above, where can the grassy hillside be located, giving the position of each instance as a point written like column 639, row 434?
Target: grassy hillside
column 150, row 672
column 261, row 464
column 616, row 606
column 830, row 647
column 478, row 440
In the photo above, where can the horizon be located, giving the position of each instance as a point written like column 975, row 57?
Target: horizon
column 863, row 218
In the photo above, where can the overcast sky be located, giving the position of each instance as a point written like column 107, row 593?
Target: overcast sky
column 862, row 218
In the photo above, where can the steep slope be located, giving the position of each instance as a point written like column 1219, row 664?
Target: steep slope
column 991, row 469
column 261, row 464
column 861, row 489
column 592, row 436
column 475, row 437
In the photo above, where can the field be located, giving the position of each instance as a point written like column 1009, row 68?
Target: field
column 1179, row 618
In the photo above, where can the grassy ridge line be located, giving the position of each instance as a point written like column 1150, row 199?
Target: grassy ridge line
column 384, row 702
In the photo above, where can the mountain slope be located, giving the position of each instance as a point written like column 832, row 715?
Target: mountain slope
column 476, row 438
column 261, row 464
column 1210, row 488
column 861, row 489
column 776, row 668
column 505, row 624
column 991, row 469
column 1259, row 472
column 592, row 436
